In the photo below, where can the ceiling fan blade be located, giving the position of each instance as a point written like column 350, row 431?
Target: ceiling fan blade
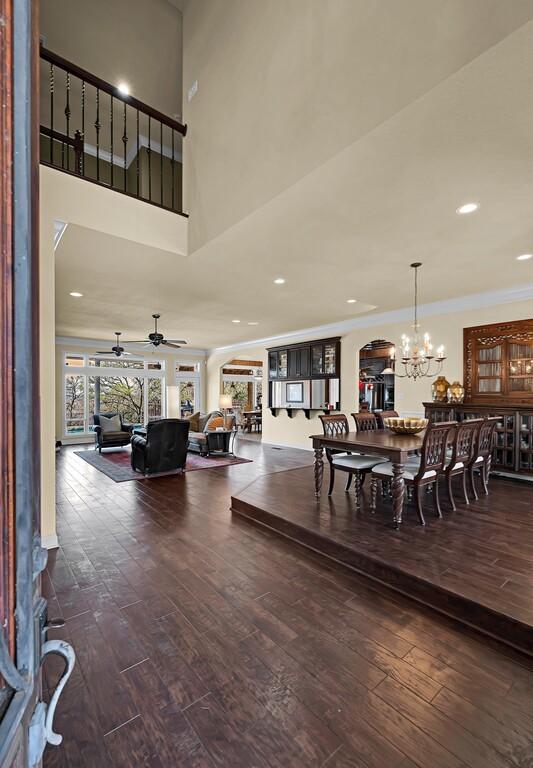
column 134, row 341
column 174, row 341
column 170, row 344
column 109, row 352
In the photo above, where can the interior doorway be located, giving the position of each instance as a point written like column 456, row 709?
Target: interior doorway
column 376, row 376
column 243, row 381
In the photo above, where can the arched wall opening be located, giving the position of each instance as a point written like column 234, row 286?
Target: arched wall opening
column 376, row 376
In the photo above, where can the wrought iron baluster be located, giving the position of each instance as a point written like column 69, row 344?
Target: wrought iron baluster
column 161, row 158
column 111, row 147
column 51, row 114
column 149, row 161
column 138, row 158
column 67, row 116
column 172, row 167
column 83, row 125
column 125, row 142
column 78, row 153
column 97, row 127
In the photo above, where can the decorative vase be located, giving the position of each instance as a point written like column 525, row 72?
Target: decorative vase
column 456, row 392
column 439, row 389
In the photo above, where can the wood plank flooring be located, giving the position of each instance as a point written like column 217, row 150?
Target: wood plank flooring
column 206, row 642
column 475, row 564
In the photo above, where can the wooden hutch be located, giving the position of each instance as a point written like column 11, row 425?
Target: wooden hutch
column 498, row 381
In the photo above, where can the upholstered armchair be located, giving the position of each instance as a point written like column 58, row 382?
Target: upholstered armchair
column 163, row 449
column 110, row 435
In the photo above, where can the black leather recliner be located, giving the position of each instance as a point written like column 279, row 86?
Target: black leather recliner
column 111, row 439
column 163, row 449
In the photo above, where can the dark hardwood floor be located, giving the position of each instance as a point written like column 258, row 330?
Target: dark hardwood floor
column 475, row 564
column 203, row 641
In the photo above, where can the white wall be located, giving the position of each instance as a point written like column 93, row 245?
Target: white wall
column 445, row 329
column 135, row 41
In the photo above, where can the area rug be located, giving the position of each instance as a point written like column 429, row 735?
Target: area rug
column 117, row 464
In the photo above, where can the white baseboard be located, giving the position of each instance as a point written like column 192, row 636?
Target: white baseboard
column 50, row 542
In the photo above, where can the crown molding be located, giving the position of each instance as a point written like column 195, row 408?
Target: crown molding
column 72, row 341
column 445, row 307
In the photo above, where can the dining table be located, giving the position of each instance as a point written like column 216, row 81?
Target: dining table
column 382, row 442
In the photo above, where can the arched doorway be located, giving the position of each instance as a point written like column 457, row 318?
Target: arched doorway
column 243, row 380
column 376, row 376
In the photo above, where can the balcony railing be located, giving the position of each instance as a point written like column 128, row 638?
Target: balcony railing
column 90, row 129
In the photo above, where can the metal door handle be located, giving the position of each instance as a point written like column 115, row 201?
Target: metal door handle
column 61, row 648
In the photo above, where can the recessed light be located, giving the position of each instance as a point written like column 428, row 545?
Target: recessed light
column 253, row 323
column 467, row 208
column 235, row 321
column 279, row 280
column 351, row 301
column 124, row 89
column 76, row 294
column 524, row 257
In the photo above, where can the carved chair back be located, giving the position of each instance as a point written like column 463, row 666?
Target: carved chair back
column 485, row 440
column 464, row 442
column 433, row 451
column 365, row 422
column 334, row 425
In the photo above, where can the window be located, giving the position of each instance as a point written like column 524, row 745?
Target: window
column 115, row 362
column 133, row 388
column 74, row 360
column 188, row 383
column 75, row 413
column 188, row 396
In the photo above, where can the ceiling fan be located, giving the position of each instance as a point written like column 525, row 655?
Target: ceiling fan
column 117, row 350
column 155, row 339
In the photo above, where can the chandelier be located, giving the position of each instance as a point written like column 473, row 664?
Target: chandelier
column 418, row 359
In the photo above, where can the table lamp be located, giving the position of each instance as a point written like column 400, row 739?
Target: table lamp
column 225, row 403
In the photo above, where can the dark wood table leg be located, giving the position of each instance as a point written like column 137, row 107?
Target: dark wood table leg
column 319, row 470
column 398, row 489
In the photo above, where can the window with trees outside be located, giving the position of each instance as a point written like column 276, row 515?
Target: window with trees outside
column 133, row 388
column 188, row 383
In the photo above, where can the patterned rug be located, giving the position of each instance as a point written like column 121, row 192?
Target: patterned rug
column 116, row 464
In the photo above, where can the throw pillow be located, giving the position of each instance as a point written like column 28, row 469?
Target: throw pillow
column 110, row 424
column 194, row 421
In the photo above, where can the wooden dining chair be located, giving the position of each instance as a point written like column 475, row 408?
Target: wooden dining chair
column 355, row 465
column 460, row 457
column 381, row 415
column 419, row 475
column 365, row 422
column 482, row 455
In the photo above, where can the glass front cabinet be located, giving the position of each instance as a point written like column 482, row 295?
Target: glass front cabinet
column 325, row 359
column 498, row 380
column 498, row 362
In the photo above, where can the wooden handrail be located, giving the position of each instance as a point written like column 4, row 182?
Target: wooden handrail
column 112, row 90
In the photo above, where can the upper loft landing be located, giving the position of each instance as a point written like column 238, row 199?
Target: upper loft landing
column 94, row 130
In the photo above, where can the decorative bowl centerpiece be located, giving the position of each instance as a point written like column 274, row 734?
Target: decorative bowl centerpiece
column 408, row 426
